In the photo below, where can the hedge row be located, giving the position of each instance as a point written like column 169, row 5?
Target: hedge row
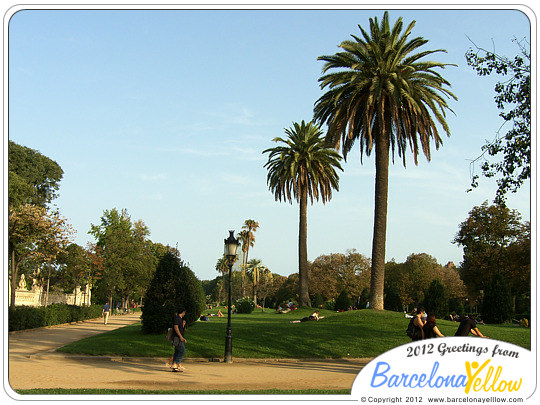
column 23, row 317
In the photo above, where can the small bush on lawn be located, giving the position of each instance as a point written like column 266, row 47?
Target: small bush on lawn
column 244, row 305
column 330, row 304
column 174, row 285
column 343, row 301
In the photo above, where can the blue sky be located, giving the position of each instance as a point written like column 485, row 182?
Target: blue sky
column 165, row 113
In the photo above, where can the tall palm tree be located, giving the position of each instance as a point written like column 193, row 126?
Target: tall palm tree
column 247, row 238
column 384, row 95
column 303, row 167
column 222, row 266
column 255, row 270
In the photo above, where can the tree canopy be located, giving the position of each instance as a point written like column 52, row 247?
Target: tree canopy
column 33, row 178
column 509, row 154
column 495, row 241
column 129, row 260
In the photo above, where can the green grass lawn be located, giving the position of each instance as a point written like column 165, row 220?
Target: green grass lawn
column 353, row 334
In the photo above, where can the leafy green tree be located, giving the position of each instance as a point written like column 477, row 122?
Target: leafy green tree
column 513, row 98
column 329, row 274
column 128, row 258
column 436, row 300
column 318, row 300
column 392, row 300
column 301, row 169
column 33, row 177
column 410, row 278
column 343, row 301
column 495, row 241
column 34, row 234
column 75, row 264
column 383, row 94
column 173, row 286
column 288, row 289
column 497, row 303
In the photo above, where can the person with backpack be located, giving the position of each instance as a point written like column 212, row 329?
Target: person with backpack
column 178, row 340
column 414, row 330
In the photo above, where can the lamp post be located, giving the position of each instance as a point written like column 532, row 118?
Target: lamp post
column 231, row 245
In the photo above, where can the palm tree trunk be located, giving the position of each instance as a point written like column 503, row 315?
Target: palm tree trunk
column 379, row 222
column 244, row 265
column 302, row 251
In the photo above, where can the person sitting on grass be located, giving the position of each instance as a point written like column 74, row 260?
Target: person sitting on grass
column 219, row 313
column 468, row 325
column 418, row 324
column 430, row 328
column 313, row 317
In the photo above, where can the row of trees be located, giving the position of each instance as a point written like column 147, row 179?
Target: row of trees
column 496, row 247
column 37, row 234
column 383, row 93
column 330, row 275
column 119, row 265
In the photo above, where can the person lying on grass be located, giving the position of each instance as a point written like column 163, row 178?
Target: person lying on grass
column 313, row 317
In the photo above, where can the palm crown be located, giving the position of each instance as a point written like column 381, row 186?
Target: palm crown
column 303, row 164
column 381, row 87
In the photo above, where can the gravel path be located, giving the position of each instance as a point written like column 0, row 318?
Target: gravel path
column 33, row 363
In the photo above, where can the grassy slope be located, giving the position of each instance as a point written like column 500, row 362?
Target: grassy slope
column 353, row 334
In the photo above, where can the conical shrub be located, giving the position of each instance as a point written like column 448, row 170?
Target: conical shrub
column 174, row 286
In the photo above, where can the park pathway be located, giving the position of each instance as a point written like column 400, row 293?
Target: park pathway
column 33, row 363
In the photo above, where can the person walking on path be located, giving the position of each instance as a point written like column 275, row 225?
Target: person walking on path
column 179, row 325
column 468, row 325
column 105, row 311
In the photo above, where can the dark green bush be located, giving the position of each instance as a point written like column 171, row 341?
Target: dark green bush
column 317, row 301
column 174, row 286
column 23, row 317
column 343, row 301
column 244, row 305
column 392, row 300
column 436, row 300
column 497, row 306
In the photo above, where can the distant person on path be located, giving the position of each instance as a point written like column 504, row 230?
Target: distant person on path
column 179, row 325
column 105, row 312
column 468, row 325
column 430, row 328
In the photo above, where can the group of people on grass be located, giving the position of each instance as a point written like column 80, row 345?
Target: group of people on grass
column 425, row 326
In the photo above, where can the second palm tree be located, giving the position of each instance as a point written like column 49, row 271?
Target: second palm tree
column 302, row 168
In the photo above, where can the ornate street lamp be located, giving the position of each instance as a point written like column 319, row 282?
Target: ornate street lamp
column 231, row 245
